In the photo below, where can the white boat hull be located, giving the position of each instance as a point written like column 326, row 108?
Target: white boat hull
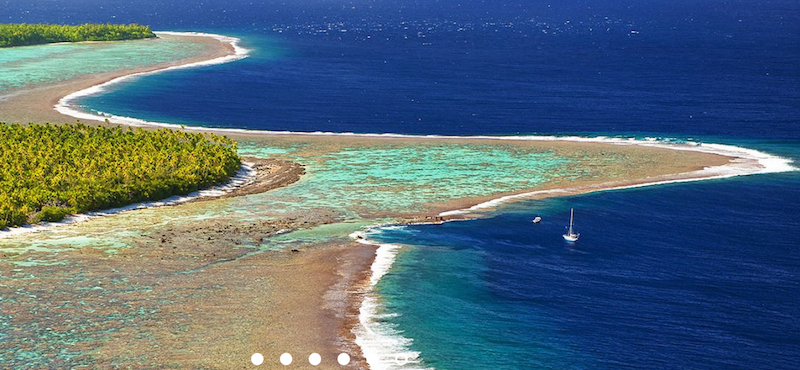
column 571, row 236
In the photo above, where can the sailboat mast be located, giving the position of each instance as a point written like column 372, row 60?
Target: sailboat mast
column 571, row 214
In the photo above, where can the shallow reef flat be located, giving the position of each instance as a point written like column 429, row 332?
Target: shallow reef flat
column 206, row 284
column 407, row 177
column 33, row 65
column 398, row 179
column 33, row 78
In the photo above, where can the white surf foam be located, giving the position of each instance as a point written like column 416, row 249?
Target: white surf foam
column 384, row 347
column 746, row 162
column 379, row 339
column 65, row 106
column 768, row 163
column 244, row 176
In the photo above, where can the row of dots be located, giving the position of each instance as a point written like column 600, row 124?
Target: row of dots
column 313, row 359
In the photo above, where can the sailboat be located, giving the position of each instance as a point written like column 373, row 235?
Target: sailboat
column 571, row 236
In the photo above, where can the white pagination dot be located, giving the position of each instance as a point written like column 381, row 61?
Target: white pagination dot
column 286, row 359
column 314, row 359
column 343, row 359
column 401, row 359
column 257, row 359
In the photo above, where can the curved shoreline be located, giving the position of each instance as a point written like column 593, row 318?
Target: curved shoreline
column 379, row 345
column 244, row 176
column 64, row 107
column 768, row 163
column 385, row 348
column 746, row 162
column 249, row 179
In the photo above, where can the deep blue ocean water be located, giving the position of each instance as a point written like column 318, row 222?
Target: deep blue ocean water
column 689, row 68
column 702, row 275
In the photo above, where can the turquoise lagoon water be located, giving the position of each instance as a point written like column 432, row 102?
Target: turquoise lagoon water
column 31, row 65
column 403, row 178
column 682, row 276
column 355, row 182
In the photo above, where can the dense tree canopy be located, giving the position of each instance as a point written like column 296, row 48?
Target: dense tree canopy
column 50, row 171
column 34, row 34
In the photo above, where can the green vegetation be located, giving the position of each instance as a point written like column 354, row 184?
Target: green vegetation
column 34, row 34
column 50, row 171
